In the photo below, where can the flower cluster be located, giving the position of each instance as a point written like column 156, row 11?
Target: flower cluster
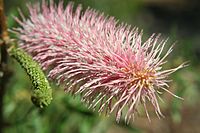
column 94, row 56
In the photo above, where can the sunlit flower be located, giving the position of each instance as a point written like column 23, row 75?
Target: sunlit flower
column 93, row 55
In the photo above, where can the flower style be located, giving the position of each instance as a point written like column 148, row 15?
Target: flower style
column 92, row 55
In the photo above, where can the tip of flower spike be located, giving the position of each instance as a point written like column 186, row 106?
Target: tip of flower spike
column 41, row 100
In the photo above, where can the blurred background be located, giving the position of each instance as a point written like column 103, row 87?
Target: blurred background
column 177, row 19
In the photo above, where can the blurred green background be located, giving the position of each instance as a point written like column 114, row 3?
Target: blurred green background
column 177, row 19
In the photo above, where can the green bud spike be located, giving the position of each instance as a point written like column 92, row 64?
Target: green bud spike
column 42, row 92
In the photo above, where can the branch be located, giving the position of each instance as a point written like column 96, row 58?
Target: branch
column 3, row 25
column 4, row 71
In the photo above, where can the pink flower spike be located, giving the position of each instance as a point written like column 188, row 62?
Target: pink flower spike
column 105, row 62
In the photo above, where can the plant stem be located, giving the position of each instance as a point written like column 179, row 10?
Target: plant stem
column 3, row 24
column 4, row 72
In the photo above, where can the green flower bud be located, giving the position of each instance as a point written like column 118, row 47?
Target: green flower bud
column 41, row 92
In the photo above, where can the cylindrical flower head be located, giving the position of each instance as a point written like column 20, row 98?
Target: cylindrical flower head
column 95, row 56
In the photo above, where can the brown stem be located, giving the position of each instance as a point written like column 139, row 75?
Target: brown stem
column 4, row 72
column 3, row 25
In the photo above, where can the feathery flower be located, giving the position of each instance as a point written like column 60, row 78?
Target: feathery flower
column 92, row 55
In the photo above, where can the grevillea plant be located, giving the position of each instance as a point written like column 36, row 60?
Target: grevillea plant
column 94, row 56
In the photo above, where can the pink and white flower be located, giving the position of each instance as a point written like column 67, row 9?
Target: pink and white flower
column 95, row 56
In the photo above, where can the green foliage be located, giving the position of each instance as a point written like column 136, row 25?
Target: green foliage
column 42, row 92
